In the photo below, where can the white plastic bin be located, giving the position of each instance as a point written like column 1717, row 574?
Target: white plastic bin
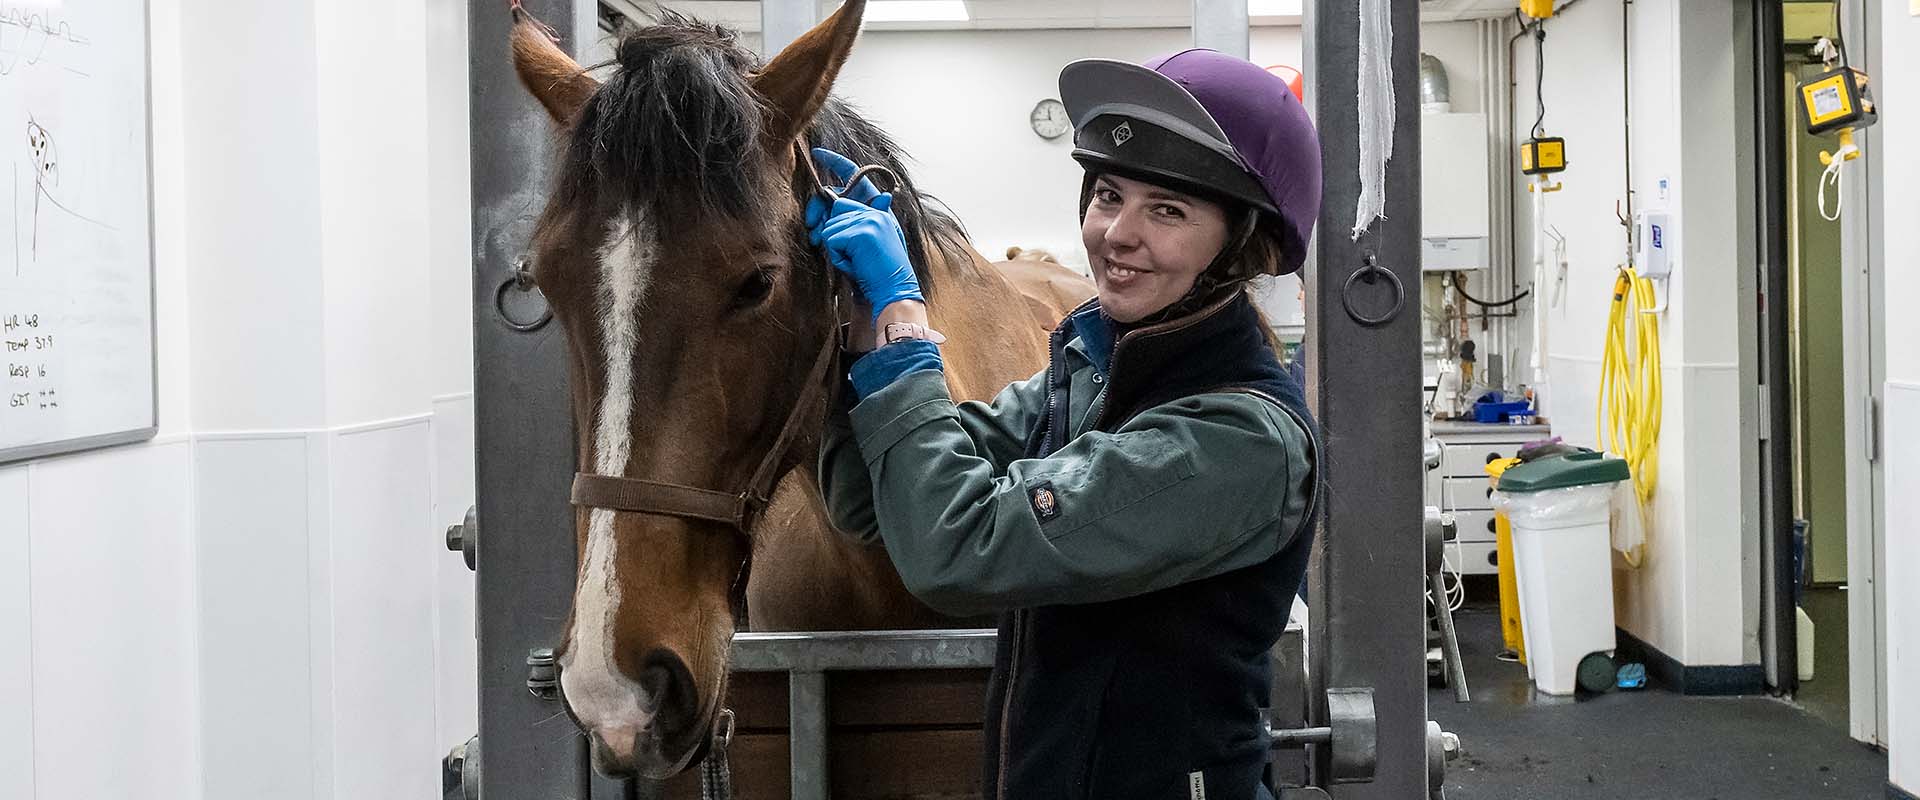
column 1559, row 507
column 1565, row 572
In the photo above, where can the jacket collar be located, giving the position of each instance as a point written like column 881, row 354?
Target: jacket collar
column 1220, row 345
column 1090, row 333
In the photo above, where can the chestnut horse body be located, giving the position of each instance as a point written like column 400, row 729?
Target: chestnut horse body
column 673, row 254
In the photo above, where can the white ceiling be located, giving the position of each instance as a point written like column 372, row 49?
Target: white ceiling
column 1028, row 14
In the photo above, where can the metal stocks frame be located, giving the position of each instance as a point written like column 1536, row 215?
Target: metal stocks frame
column 1367, row 575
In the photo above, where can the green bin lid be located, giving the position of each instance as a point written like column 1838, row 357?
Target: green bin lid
column 1560, row 472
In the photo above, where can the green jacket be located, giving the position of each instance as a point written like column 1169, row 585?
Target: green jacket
column 1184, row 490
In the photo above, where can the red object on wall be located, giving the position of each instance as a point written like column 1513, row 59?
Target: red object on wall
column 1293, row 79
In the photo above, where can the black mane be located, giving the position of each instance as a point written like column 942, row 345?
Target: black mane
column 678, row 129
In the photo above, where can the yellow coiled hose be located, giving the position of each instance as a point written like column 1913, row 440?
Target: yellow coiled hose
column 1628, row 413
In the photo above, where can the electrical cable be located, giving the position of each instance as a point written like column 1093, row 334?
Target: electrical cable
column 1513, row 90
column 1457, row 591
column 1626, row 115
column 1458, row 286
column 1839, row 34
column 1539, row 78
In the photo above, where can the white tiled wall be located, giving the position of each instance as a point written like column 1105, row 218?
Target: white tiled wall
column 248, row 615
column 250, row 503
column 115, row 656
column 456, row 662
column 16, row 626
column 383, row 550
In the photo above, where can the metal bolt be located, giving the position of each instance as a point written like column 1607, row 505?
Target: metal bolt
column 464, row 538
column 543, row 678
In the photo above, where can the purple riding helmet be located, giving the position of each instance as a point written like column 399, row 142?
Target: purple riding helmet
column 1208, row 124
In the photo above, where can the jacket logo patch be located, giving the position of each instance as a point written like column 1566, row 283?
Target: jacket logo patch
column 1046, row 504
column 1196, row 786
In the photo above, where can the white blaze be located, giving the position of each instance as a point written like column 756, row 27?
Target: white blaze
column 599, row 694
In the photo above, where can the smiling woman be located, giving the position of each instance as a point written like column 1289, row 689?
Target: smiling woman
column 1084, row 503
column 1147, row 244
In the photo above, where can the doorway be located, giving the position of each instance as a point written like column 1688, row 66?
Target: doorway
column 1816, row 376
column 1831, row 345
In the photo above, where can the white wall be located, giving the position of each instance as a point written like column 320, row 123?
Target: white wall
column 249, row 194
column 1690, row 599
column 104, row 602
column 372, row 112
column 256, row 603
column 1897, row 86
column 1457, row 45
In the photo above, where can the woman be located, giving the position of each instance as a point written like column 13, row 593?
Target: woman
column 1140, row 512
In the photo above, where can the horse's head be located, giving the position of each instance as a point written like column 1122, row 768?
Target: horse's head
column 673, row 254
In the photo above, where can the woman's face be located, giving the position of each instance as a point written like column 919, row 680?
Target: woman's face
column 1147, row 244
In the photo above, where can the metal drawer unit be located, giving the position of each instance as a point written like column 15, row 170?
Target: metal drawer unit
column 1459, row 486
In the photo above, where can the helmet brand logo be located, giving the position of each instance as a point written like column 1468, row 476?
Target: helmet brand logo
column 1122, row 134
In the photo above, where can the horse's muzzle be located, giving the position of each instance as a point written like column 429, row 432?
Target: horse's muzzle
column 674, row 736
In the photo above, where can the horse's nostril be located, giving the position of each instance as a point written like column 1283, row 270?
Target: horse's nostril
column 669, row 686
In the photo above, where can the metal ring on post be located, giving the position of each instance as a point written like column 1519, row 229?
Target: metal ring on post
column 1367, row 273
column 522, row 279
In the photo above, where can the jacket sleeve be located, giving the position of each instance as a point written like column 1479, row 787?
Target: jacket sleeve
column 998, row 430
column 1185, row 490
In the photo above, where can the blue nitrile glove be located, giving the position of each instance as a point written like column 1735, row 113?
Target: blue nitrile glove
column 866, row 243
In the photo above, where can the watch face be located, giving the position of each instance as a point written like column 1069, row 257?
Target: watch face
column 1050, row 119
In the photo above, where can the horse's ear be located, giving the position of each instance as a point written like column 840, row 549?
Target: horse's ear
column 796, row 82
column 554, row 79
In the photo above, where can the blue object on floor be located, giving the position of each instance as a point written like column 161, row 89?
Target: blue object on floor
column 1632, row 676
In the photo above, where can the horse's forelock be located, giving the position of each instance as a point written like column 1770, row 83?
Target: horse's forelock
column 677, row 128
column 674, row 127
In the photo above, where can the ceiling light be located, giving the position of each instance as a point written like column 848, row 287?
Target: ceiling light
column 1273, row 8
column 917, row 11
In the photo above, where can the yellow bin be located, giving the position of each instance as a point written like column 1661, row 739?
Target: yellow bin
column 1509, row 589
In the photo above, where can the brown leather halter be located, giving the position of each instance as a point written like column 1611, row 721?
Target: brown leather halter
column 739, row 509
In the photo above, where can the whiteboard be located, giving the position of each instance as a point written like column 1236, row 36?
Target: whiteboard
column 76, row 240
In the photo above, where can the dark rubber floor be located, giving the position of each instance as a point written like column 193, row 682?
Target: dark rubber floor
column 1650, row 744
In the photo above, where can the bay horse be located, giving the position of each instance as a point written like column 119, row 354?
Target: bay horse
column 697, row 317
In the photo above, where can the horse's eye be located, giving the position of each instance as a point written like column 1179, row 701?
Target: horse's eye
column 755, row 288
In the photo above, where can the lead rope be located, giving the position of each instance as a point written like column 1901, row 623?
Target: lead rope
column 716, row 777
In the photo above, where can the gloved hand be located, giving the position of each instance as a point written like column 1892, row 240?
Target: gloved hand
column 864, row 240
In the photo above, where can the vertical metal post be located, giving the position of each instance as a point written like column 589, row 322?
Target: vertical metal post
column 524, row 447
column 1368, row 573
column 1221, row 25
column 1776, row 460
column 807, row 733
column 782, row 21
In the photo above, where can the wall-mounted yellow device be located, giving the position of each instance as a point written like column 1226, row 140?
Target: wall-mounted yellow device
column 1537, row 9
column 1543, row 155
column 1837, row 98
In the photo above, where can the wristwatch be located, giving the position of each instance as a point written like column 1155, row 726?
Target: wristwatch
column 901, row 331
